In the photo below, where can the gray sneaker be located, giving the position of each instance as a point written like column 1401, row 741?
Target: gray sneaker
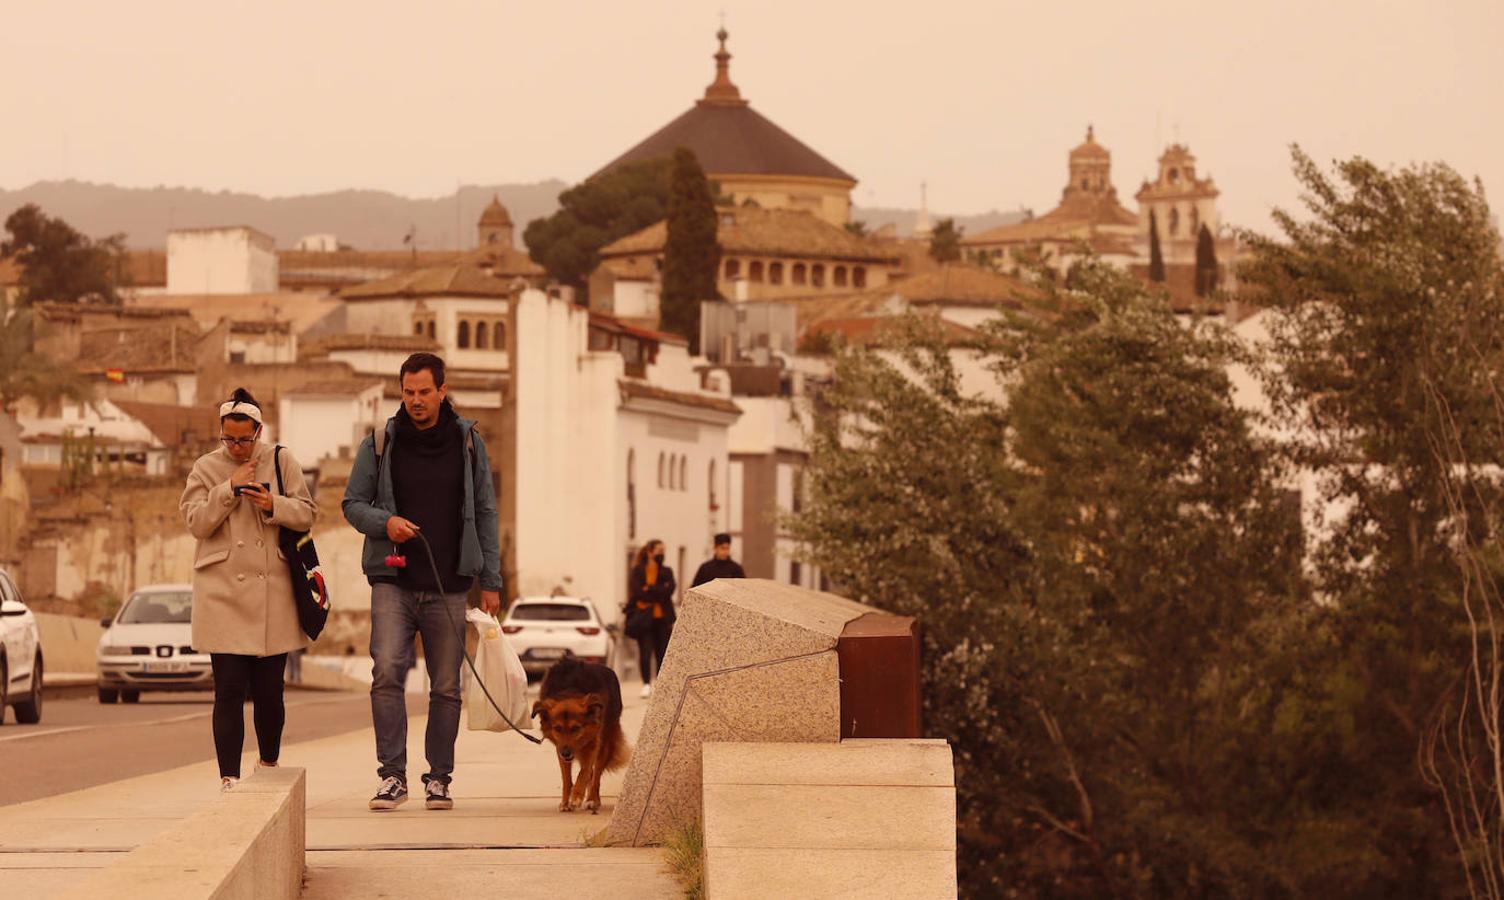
column 393, row 793
column 438, row 796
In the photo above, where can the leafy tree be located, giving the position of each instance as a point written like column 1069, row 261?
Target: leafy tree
column 857, row 228
column 1386, row 319
column 1107, row 572
column 60, row 264
column 1206, row 262
column 945, row 241
column 691, row 254
column 595, row 213
column 1156, row 255
column 26, row 373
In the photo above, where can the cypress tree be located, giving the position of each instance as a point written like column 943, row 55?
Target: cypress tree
column 1156, row 257
column 691, row 255
column 1206, row 263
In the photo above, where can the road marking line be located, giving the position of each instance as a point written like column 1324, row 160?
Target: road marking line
column 186, row 717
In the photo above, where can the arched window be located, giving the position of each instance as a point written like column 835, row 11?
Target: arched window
column 775, row 273
column 711, row 492
column 499, row 336
column 683, row 473
column 817, row 275
column 798, row 275
column 1195, row 222
column 1174, row 220
column 433, row 330
column 660, row 470
column 733, row 268
column 482, row 336
column 840, row 276
column 418, row 329
column 754, row 271
column 464, row 338
column 859, row 276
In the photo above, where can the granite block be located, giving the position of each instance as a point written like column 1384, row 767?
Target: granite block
column 750, row 660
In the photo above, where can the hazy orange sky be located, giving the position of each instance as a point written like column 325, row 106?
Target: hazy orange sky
column 980, row 99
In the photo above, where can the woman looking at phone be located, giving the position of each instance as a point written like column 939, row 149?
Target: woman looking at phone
column 244, row 615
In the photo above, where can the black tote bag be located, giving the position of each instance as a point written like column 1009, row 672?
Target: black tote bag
column 309, row 593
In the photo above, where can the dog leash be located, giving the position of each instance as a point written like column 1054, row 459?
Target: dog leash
column 439, row 583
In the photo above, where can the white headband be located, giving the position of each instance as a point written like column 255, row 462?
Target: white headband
column 241, row 408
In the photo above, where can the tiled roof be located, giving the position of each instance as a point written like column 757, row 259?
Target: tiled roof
column 172, row 425
column 631, row 388
column 327, row 343
column 733, row 139
column 168, row 347
column 143, row 268
column 612, row 323
column 300, row 310
column 879, row 331
column 753, row 231
column 954, row 284
column 442, row 281
column 1078, row 215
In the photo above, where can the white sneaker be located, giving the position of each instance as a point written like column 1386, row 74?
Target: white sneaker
column 227, row 784
column 647, row 691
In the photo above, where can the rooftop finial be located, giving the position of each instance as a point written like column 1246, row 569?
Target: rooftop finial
column 721, row 91
column 1089, row 136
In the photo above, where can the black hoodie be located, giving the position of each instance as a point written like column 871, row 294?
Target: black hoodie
column 428, row 481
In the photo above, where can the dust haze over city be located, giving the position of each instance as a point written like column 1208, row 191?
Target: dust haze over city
column 979, row 100
column 988, row 450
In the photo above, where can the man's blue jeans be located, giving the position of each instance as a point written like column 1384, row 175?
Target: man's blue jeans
column 396, row 615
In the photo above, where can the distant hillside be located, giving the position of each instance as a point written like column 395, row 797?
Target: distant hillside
column 878, row 216
column 369, row 220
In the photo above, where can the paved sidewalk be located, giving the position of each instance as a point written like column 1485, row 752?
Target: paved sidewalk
column 505, row 833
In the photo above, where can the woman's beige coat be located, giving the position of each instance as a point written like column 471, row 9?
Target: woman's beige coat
column 242, row 592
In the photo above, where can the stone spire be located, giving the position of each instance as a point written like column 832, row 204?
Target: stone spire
column 721, row 91
column 922, row 226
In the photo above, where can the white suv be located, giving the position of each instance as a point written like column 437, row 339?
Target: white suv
column 149, row 646
column 543, row 629
column 20, row 656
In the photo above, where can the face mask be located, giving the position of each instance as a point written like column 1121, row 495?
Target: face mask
column 658, row 558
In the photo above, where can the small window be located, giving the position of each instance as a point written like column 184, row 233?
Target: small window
column 1195, row 222
column 418, row 329
column 433, row 330
column 796, row 572
column 660, row 470
column 1174, row 220
column 499, row 336
column 683, row 473
column 713, row 504
column 482, row 336
column 840, row 276
column 754, row 271
column 775, row 273
column 817, row 275
column 464, row 338
column 237, row 357
column 800, row 274
column 859, row 276
column 733, row 268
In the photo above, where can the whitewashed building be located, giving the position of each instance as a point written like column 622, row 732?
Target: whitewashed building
column 229, row 260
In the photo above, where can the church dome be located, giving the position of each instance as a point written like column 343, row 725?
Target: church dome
column 495, row 215
column 728, row 137
column 1089, row 149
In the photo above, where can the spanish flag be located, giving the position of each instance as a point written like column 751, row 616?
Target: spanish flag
column 115, row 375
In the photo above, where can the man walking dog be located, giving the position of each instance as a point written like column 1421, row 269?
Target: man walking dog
column 425, row 473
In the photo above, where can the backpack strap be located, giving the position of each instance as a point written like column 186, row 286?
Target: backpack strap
column 379, row 436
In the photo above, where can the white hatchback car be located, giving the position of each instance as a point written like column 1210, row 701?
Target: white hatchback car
column 149, row 646
column 543, row 629
column 20, row 656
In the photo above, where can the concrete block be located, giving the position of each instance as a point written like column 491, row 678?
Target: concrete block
column 248, row 844
column 861, row 818
column 750, row 660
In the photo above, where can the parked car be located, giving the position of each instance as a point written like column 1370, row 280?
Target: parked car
column 20, row 656
column 543, row 629
column 149, row 646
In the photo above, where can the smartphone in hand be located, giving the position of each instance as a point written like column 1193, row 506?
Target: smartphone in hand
column 242, row 488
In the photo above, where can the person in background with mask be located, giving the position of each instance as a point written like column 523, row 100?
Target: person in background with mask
column 651, row 592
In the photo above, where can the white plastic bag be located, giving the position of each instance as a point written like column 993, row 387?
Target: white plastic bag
column 498, row 666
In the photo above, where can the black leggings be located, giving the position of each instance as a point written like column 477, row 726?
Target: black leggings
column 654, row 645
column 235, row 677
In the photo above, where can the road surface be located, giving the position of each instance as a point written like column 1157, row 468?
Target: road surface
column 81, row 743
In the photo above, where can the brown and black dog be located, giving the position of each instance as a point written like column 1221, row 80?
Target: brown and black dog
column 579, row 707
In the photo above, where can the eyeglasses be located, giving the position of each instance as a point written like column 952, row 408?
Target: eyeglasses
column 238, row 442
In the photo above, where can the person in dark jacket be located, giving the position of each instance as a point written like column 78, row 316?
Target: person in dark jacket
column 721, row 565
column 425, row 473
column 650, row 593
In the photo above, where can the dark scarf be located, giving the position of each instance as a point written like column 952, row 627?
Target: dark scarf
column 428, row 479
